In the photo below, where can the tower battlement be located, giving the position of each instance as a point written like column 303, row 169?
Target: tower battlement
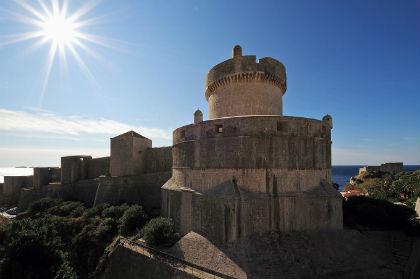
column 244, row 86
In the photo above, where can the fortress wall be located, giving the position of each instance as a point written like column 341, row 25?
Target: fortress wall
column 55, row 175
column 143, row 189
column 293, row 152
column 254, row 142
column 1, row 188
column 43, row 176
column 252, row 126
column 285, row 152
column 249, row 98
column 250, row 213
column 74, row 168
column 28, row 196
column 251, row 175
column 98, row 166
column 387, row 167
column 392, row 167
column 256, row 180
column 83, row 191
column 158, row 159
column 13, row 184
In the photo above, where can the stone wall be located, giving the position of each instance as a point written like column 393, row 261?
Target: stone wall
column 238, row 212
column 254, row 142
column 243, row 86
column 392, row 167
column 74, row 168
column 28, row 196
column 97, row 167
column 44, row 176
column 250, row 175
column 387, row 167
column 263, row 98
column 158, row 159
column 82, row 190
column 128, row 154
column 13, row 184
column 142, row 189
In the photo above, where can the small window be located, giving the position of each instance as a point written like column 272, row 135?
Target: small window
column 219, row 129
column 279, row 126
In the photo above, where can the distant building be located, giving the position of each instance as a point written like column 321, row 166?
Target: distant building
column 387, row 168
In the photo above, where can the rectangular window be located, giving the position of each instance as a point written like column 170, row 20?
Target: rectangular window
column 279, row 126
column 219, row 128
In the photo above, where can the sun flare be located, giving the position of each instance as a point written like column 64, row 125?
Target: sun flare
column 59, row 30
column 64, row 32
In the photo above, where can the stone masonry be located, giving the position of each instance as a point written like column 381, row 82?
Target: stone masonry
column 248, row 169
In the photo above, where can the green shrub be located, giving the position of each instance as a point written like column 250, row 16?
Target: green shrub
column 133, row 219
column 88, row 245
column 42, row 205
column 115, row 212
column 158, row 231
column 95, row 211
column 33, row 249
column 68, row 208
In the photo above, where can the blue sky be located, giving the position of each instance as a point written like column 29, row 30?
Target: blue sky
column 356, row 60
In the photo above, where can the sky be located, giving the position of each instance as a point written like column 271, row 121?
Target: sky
column 141, row 65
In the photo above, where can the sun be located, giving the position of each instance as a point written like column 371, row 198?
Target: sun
column 64, row 32
column 59, row 30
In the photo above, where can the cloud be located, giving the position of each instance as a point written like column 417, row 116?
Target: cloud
column 43, row 122
column 43, row 157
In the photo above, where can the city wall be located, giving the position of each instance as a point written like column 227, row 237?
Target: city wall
column 158, row 159
column 142, row 189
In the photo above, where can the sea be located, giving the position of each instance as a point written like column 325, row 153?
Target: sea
column 340, row 174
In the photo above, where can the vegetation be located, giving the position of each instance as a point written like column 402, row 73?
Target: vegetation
column 63, row 239
column 159, row 231
column 133, row 219
column 401, row 187
column 363, row 211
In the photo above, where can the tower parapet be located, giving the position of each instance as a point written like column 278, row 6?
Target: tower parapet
column 244, row 86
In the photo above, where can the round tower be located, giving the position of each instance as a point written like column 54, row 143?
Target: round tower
column 244, row 86
column 248, row 169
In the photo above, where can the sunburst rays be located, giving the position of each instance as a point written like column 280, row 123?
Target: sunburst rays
column 51, row 23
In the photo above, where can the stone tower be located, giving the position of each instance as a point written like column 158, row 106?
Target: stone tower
column 127, row 154
column 243, row 86
column 248, row 169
